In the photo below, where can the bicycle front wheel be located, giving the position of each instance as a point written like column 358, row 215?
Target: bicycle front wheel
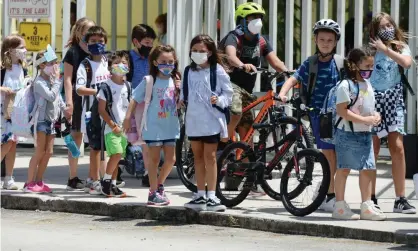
column 304, row 189
column 185, row 161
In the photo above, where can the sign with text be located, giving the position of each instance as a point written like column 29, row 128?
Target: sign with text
column 37, row 35
column 29, row 8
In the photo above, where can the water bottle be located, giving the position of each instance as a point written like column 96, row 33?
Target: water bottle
column 88, row 117
column 69, row 141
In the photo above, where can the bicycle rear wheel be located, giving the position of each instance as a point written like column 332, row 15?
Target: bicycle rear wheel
column 273, row 176
column 298, row 200
column 230, row 181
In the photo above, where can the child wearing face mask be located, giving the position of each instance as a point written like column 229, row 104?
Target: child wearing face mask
column 143, row 37
column 13, row 57
column 353, row 138
column 115, row 140
column 205, row 123
column 392, row 60
column 95, row 66
column 160, row 124
column 47, row 87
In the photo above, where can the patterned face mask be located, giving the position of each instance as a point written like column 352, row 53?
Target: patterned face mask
column 120, row 69
column 387, row 34
column 166, row 69
column 365, row 74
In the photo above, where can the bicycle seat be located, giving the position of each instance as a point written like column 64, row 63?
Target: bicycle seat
column 261, row 126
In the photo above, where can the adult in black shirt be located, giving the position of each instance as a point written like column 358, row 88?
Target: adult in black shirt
column 76, row 53
column 245, row 47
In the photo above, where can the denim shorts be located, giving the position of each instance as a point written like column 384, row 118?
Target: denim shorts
column 354, row 150
column 45, row 126
column 165, row 142
column 315, row 129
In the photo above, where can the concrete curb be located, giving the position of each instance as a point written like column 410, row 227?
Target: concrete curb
column 180, row 215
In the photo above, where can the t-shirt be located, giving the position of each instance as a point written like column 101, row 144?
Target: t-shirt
column 364, row 106
column 120, row 103
column 100, row 74
column 74, row 56
column 386, row 73
column 250, row 54
column 326, row 78
column 140, row 68
column 162, row 118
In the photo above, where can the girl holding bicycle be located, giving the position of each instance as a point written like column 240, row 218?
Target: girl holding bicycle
column 353, row 138
column 205, row 97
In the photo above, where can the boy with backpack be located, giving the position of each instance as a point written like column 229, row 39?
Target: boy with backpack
column 92, row 72
column 318, row 74
column 114, row 96
column 245, row 47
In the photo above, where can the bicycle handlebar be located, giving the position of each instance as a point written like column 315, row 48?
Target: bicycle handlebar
column 296, row 102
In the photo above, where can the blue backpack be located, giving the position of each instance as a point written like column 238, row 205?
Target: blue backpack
column 134, row 162
column 328, row 114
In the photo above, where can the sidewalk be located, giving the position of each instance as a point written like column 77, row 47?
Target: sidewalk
column 261, row 213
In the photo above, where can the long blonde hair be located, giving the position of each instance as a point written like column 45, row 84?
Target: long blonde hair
column 400, row 36
column 77, row 30
column 9, row 43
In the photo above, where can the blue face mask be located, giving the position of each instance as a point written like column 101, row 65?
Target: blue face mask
column 97, row 49
column 166, row 69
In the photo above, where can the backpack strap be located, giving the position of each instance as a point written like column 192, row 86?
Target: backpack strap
column 149, row 84
column 3, row 73
column 186, row 85
column 263, row 44
column 339, row 62
column 313, row 72
column 352, row 102
column 405, row 81
column 129, row 88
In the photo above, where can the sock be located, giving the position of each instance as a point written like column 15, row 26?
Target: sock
column 330, row 196
column 89, row 180
column 161, row 186
column 211, row 194
column 114, row 182
column 201, row 193
column 107, row 177
column 374, row 199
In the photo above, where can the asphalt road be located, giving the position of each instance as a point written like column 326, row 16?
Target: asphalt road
column 43, row 231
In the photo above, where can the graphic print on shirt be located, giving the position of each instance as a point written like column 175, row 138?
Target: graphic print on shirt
column 167, row 102
column 250, row 51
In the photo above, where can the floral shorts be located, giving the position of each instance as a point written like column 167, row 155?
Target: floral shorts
column 240, row 99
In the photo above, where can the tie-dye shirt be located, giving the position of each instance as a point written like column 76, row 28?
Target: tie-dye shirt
column 326, row 78
column 162, row 118
column 386, row 73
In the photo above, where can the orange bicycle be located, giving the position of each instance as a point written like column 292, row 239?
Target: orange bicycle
column 184, row 154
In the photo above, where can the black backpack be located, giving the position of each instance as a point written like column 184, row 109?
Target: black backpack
column 212, row 87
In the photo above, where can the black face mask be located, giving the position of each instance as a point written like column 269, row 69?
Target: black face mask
column 144, row 50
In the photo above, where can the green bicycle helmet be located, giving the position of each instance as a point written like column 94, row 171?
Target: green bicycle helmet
column 247, row 9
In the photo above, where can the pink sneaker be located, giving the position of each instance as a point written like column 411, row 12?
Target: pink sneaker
column 32, row 188
column 44, row 187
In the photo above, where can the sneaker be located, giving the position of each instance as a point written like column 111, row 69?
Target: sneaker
column 328, row 206
column 154, row 198
column 106, row 187
column 9, row 183
column 32, row 188
column 197, row 203
column 402, row 206
column 95, row 188
column 370, row 212
column 88, row 185
column 257, row 191
column 116, row 192
column 161, row 191
column 44, row 187
column 214, row 205
column 145, row 181
column 75, row 184
column 343, row 212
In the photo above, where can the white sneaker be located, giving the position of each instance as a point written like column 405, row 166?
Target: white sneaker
column 96, row 188
column 9, row 183
column 343, row 212
column 370, row 212
column 328, row 206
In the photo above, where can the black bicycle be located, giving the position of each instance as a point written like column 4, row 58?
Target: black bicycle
column 247, row 165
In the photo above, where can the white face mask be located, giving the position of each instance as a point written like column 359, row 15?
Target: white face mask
column 199, row 58
column 20, row 54
column 254, row 26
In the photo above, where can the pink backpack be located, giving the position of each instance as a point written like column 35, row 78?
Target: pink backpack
column 138, row 119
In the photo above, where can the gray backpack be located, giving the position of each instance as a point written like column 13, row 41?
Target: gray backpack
column 313, row 72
